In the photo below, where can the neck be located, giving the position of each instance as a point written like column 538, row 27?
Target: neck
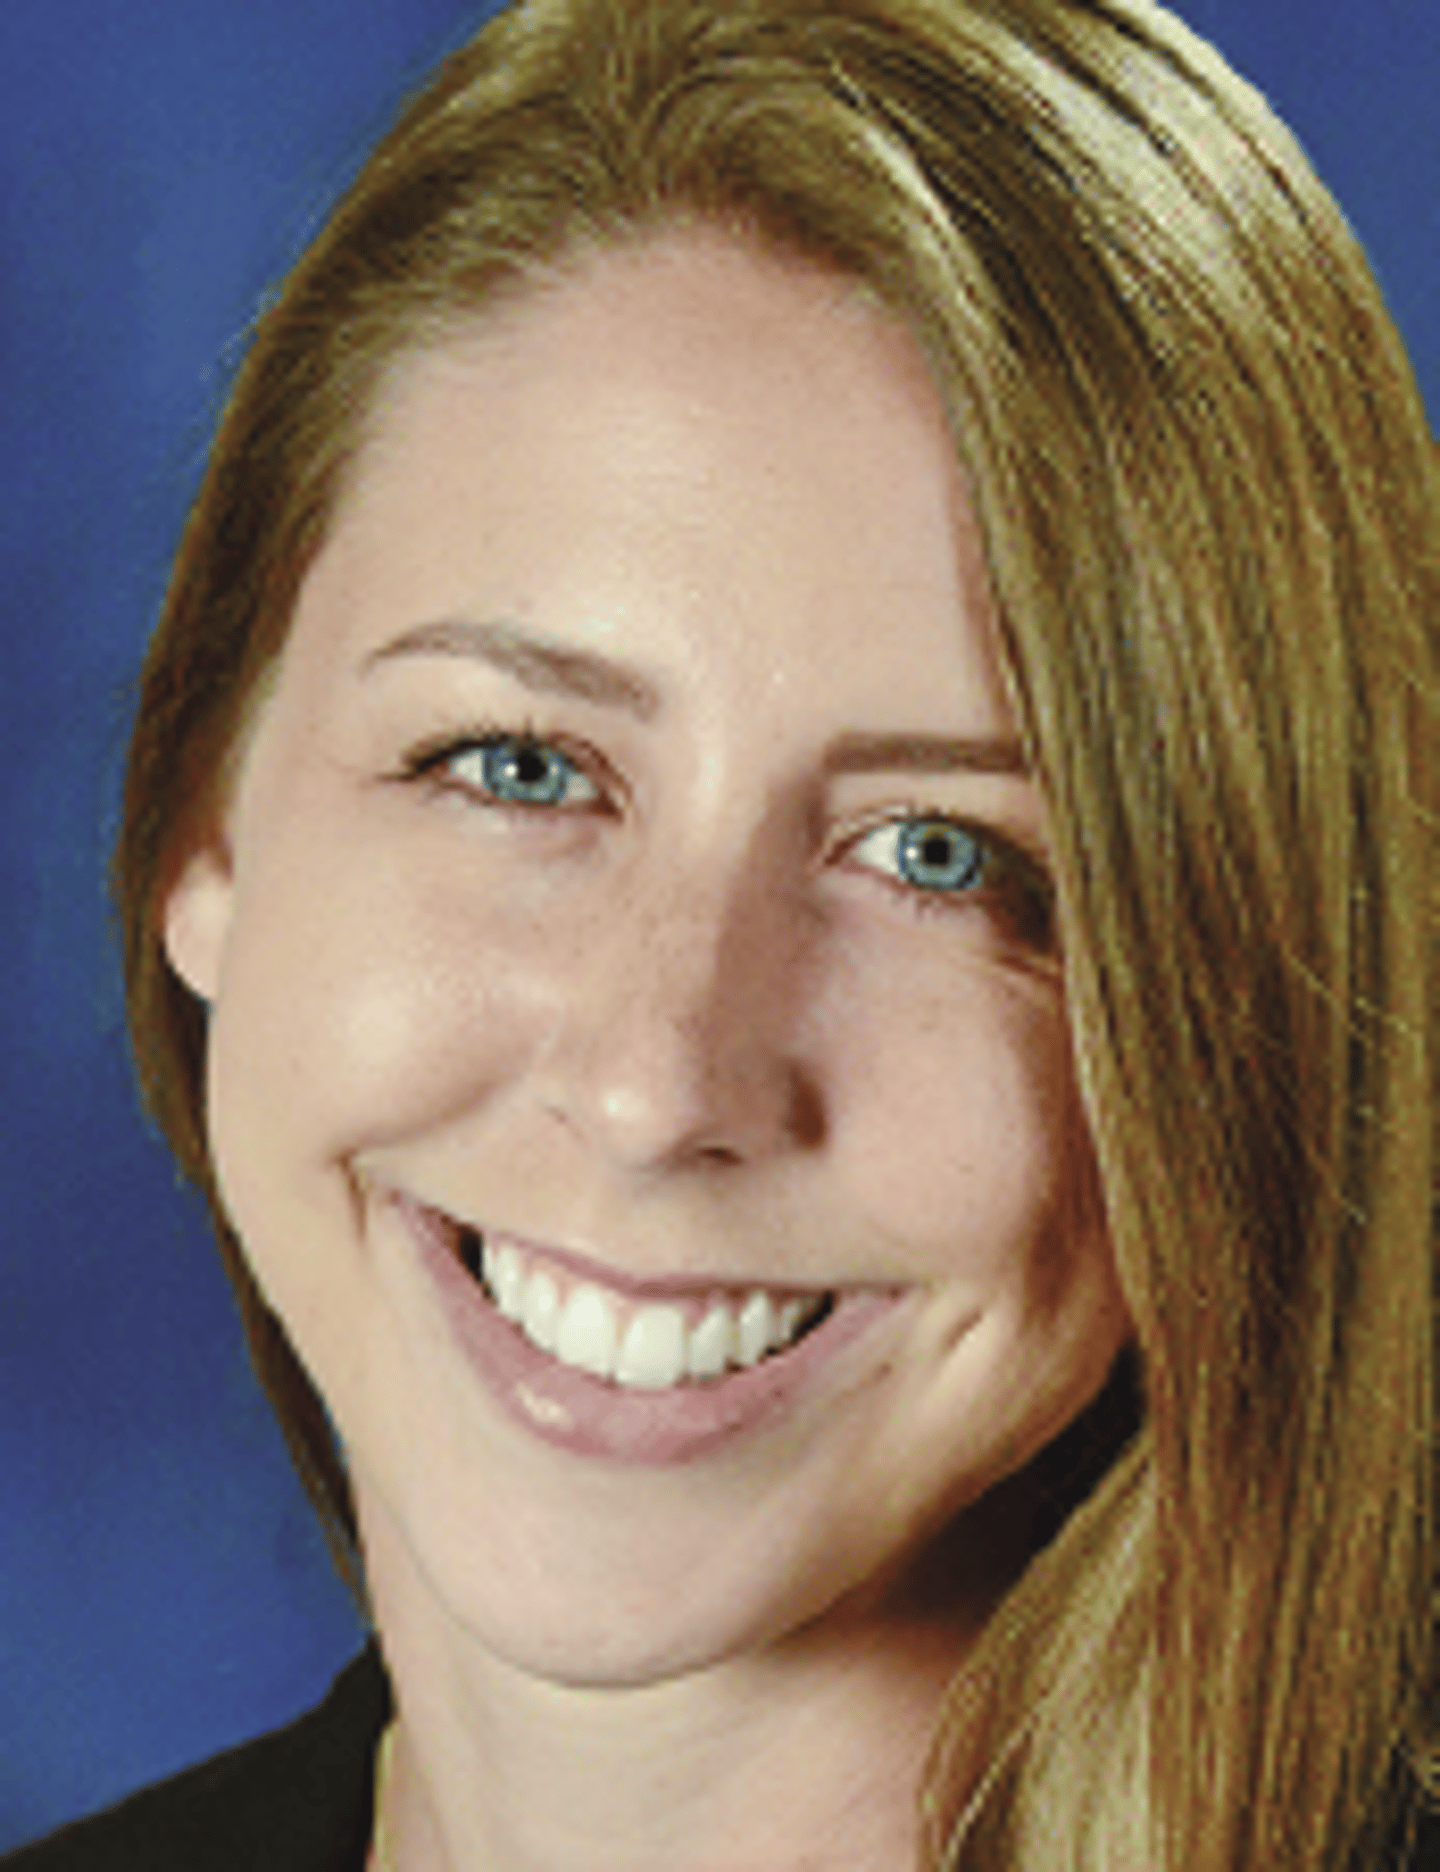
column 790, row 1755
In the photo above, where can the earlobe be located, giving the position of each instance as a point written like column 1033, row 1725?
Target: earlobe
column 196, row 918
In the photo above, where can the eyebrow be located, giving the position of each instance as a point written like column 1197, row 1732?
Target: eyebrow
column 925, row 753
column 531, row 660
column 540, row 664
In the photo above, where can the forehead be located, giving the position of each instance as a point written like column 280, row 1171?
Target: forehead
column 685, row 311
column 687, row 434
column 686, row 353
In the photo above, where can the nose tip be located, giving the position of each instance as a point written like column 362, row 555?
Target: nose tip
column 677, row 1050
column 659, row 1096
column 644, row 1118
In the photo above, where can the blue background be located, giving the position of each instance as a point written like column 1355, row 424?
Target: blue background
column 163, row 1591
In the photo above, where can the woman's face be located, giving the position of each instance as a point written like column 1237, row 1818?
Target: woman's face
column 632, row 879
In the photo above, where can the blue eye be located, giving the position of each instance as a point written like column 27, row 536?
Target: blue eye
column 929, row 854
column 517, row 771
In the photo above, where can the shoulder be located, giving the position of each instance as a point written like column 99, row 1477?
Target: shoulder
column 296, row 1800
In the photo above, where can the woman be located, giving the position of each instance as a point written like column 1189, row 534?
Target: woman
column 772, row 875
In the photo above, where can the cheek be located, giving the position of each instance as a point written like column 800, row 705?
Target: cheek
column 361, row 1003
column 954, row 1092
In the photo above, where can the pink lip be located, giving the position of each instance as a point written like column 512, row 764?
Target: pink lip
column 675, row 1288
column 590, row 1417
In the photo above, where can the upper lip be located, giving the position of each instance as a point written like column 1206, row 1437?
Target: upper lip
column 670, row 1286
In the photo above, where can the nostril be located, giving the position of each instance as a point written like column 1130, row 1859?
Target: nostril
column 807, row 1112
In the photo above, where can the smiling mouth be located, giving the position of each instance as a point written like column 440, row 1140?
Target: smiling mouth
column 633, row 1342
column 651, row 1371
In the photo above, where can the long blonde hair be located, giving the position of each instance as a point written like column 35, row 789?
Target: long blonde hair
column 1209, row 497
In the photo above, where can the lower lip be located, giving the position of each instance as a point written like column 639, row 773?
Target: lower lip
column 590, row 1417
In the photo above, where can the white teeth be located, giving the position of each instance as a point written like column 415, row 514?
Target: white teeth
column 505, row 1271
column 755, row 1329
column 656, row 1348
column 588, row 1335
column 542, row 1311
column 712, row 1344
column 653, row 1353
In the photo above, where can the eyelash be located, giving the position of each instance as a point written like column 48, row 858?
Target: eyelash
column 430, row 761
column 1006, row 875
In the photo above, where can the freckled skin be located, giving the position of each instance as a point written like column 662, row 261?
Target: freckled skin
column 693, row 1029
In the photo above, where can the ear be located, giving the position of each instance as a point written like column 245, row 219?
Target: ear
column 195, row 919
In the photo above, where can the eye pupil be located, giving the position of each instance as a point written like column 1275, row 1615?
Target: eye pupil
column 519, row 770
column 529, row 766
column 940, row 857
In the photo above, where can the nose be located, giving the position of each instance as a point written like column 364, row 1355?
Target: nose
column 675, row 1037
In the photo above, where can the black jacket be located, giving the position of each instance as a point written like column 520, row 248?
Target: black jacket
column 297, row 1800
